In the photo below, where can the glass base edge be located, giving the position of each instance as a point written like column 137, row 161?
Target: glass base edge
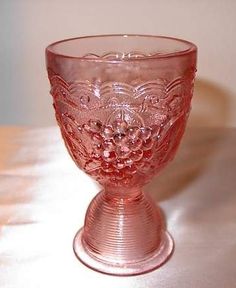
column 158, row 258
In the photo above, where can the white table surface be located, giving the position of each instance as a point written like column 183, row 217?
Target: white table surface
column 44, row 196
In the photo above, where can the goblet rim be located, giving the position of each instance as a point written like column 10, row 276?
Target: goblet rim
column 192, row 48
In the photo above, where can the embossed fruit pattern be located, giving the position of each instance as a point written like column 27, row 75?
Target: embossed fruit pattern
column 120, row 154
column 121, row 134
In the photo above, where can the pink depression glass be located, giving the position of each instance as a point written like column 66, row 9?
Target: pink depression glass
column 122, row 102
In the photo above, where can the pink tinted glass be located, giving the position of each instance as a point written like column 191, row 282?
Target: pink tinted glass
column 122, row 102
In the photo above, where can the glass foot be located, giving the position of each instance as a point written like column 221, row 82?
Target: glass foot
column 157, row 258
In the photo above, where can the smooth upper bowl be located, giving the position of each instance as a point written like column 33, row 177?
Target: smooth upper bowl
column 120, row 47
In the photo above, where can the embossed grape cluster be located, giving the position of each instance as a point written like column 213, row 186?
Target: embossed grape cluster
column 120, row 149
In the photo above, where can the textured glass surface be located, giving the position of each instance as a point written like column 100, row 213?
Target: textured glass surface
column 122, row 115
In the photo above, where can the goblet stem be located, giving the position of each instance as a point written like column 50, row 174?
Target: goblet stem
column 123, row 233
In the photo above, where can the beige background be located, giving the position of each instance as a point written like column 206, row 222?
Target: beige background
column 27, row 26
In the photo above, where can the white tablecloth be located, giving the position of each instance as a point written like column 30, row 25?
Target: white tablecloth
column 44, row 196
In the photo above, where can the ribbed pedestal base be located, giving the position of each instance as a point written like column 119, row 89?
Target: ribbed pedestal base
column 123, row 234
column 159, row 257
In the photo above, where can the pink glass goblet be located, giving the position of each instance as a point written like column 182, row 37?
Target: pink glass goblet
column 122, row 102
